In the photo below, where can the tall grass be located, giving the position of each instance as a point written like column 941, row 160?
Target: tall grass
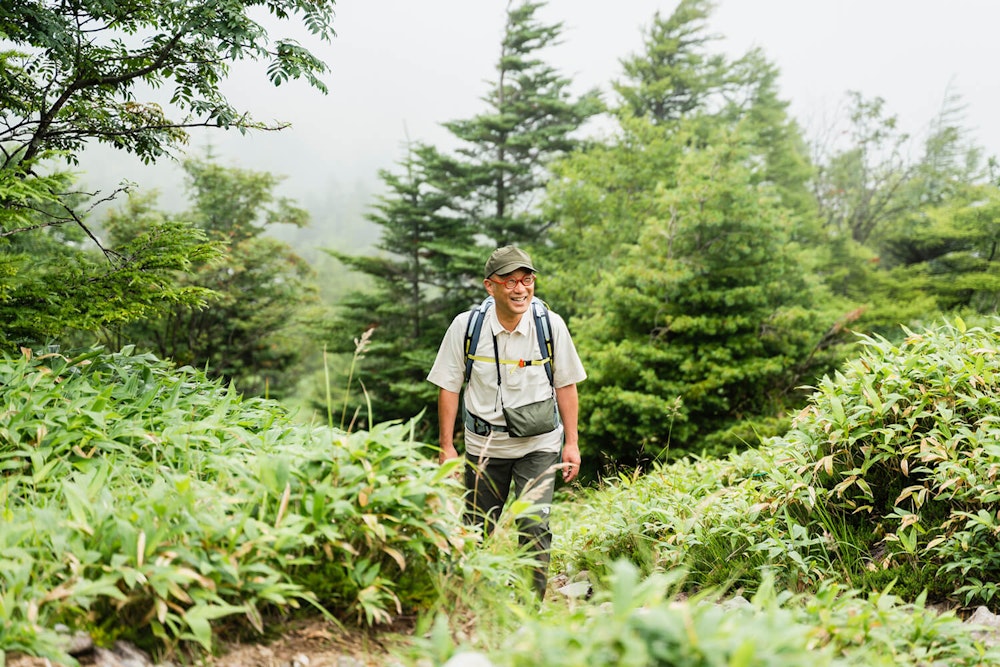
column 142, row 500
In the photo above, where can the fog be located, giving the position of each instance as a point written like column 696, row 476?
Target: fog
column 401, row 67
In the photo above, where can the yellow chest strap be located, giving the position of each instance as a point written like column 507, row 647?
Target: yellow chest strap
column 520, row 363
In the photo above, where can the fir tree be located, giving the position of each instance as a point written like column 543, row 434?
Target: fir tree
column 675, row 76
column 531, row 119
column 422, row 275
column 441, row 211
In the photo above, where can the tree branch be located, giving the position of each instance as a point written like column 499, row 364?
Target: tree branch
column 47, row 118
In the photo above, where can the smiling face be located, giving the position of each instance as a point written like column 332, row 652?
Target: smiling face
column 511, row 303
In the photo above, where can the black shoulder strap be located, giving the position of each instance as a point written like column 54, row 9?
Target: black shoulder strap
column 543, row 328
column 472, row 331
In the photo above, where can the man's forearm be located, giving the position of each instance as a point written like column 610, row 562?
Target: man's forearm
column 447, row 412
column 569, row 411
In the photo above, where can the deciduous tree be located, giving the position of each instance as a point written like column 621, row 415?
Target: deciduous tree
column 87, row 70
column 250, row 330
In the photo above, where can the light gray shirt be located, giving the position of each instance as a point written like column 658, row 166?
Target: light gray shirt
column 519, row 385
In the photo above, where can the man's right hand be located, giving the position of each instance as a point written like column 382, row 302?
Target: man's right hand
column 447, row 413
column 447, row 452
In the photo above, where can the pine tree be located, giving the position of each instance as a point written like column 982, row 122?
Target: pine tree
column 531, row 119
column 441, row 212
column 421, row 277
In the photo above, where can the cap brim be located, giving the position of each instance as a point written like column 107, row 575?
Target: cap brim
column 511, row 267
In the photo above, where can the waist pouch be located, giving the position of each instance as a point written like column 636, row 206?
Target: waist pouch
column 532, row 419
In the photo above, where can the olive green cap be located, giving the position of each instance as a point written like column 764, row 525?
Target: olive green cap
column 507, row 260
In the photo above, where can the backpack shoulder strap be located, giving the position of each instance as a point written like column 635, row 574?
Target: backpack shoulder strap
column 543, row 328
column 472, row 332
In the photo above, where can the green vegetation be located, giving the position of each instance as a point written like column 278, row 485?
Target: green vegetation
column 259, row 290
column 443, row 213
column 890, row 467
column 84, row 71
column 715, row 275
column 145, row 501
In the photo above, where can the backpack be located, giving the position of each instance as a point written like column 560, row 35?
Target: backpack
column 542, row 327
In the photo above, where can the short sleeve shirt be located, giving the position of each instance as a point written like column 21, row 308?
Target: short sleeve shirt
column 519, row 385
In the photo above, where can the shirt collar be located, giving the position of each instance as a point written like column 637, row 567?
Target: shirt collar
column 523, row 327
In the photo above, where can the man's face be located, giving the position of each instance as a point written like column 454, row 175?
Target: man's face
column 511, row 302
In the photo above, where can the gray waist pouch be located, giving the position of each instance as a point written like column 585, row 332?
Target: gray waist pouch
column 532, row 419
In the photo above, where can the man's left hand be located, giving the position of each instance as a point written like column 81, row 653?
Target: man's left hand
column 571, row 462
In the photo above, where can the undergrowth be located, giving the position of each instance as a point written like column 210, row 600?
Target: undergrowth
column 144, row 501
column 140, row 500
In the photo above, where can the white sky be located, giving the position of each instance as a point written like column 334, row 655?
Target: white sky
column 401, row 67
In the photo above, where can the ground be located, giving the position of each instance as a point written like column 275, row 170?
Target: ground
column 321, row 643
column 308, row 643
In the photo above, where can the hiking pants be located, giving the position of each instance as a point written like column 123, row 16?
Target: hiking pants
column 487, row 484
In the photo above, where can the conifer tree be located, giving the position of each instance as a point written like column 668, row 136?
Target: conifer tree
column 442, row 212
column 691, row 221
column 675, row 76
column 708, row 325
column 422, row 275
column 531, row 119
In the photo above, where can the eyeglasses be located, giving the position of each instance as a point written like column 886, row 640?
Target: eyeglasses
column 511, row 283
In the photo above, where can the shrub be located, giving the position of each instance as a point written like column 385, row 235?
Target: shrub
column 891, row 468
column 905, row 439
column 635, row 622
column 140, row 498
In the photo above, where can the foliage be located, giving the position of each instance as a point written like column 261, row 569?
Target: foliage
column 88, row 71
column 261, row 290
column 638, row 625
column 860, row 186
column 708, row 322
column 51, row 286
column 675, row 76
column 947, row 252
column 896, row 225
column 677, row 79
column 443, row 213
column 531, row 119
column 149, row 502
column 639, row 622
column 94, row 59
column 890, row 468
column 422, row 278
column 902, row 440
column 697, row 323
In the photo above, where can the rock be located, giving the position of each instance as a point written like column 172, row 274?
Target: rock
column 346, row 661
column 988, row 626
column 468, row 659
column 578, row 589
column 121, row 654
column 736, row 602
column 80, row 643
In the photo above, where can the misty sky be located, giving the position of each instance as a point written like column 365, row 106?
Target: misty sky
column 401, row 67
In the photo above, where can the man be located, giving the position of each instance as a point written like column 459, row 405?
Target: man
column 509, row 378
